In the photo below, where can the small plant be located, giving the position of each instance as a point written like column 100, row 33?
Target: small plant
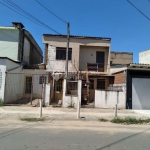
column 102, row 120
column 32, row 119
column 1, row 102
column 130, row 120
column 71, row 105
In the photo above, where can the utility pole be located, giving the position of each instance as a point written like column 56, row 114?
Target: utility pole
column 67, row 49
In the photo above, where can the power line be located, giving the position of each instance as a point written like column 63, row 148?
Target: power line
column 138, row 10
column 9, row 2
column 51, row 11
column 35, row 20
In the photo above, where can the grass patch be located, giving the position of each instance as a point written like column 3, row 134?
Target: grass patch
column 32, row 119
column 102, row 120
column 1, row 102
column 56, row 106
column 130, row 120
column 71, row 106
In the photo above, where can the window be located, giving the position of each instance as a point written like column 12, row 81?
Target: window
column 91, row 84
column 42, row 79
column 28, row 85
column 72, row 87
column 58, row 85
column 61, row 53
column 101, row 84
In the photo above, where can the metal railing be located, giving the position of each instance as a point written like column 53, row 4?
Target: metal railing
column 97, row 67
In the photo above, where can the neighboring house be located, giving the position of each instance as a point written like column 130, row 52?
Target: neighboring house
column 18, row 44
column 19, row 85
column 121, row 58
column 144, row 57
column 88, row 60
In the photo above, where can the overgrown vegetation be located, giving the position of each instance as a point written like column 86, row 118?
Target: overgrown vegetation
column 103, row 120
column 56, row 106
column 130, row 120
column 32, row 119
column 1, row 102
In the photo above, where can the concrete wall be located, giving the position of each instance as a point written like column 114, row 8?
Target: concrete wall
column 2, row 81
column 68, row 99
column 108, row 99
column 88, row 55
column 9, row 38
column 57, row 65
column 141, row 93
column 26, row 51
column 75, row 44
column 144, row 57
column 121, row 58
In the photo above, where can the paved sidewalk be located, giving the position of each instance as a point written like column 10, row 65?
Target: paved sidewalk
column 88, row 114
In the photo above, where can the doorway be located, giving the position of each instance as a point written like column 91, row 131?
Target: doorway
column 100, row 59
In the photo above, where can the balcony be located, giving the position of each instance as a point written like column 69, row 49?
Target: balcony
column 96, row 67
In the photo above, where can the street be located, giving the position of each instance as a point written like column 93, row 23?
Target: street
column 58, row 133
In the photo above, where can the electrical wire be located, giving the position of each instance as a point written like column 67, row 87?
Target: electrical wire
column 51, row 11
column 29, row 18
column 9, row 2
column 138, row 10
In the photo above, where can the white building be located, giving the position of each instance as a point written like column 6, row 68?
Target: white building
column 144, row 57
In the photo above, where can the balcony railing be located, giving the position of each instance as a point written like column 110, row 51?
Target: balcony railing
column 96, row 67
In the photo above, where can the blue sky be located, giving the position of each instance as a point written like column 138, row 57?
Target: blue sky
column 117, row 19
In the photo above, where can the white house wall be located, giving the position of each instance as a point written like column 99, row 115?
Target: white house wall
column 9, row 43
column 144, row 57
column 26, row 52
column 108, row 99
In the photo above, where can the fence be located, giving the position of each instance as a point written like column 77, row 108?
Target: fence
column 108, row 99
column 23, row 88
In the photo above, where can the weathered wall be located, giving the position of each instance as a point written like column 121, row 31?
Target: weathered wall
column 75, row 45
column 68, row 99
column 144, row 57
column 26, row 51
column 57, row 65
column 121, row 58
column 9, row 38
column 108, row 99
column 88, row 55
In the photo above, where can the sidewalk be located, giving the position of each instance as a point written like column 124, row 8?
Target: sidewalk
column 88, row 114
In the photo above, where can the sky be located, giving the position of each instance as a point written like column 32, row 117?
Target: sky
column 128, row 29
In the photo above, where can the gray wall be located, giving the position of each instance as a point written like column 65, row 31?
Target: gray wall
column 140, row 93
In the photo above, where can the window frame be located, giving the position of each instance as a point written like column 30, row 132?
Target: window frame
column 101, row 87
column 63, row 57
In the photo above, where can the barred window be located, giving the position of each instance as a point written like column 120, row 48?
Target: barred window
column 58, row 85
column 61, row 53
column 101, row 84
column 42, row 79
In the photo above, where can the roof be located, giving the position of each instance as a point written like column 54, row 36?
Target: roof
column 10, row 59
column 139, row 66
column 131, row 53
column 77, row 37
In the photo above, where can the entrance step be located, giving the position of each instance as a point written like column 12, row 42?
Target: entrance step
column 87, row 106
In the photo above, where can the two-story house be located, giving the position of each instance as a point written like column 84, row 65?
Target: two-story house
column 88, row 60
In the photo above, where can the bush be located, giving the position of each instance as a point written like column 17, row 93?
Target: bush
column 130, row 120
column 103, row 120
column 32, row 119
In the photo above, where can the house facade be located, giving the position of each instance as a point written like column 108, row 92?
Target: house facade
column 18, row 44
column 88, row 61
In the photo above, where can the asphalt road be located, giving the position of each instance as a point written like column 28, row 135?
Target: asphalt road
column 73, row 135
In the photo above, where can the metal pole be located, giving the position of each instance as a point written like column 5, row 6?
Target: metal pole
column 78, row 110
column 40, row 115
column 115, row 112
column 67, row 49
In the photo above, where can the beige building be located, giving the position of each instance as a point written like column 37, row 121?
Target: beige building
column 121, row 58
column 88, row 60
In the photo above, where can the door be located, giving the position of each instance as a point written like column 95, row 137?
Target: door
column 100, row 59
column 28, row 85
column 141, row 93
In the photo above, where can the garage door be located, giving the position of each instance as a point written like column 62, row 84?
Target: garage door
column 141, row 93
